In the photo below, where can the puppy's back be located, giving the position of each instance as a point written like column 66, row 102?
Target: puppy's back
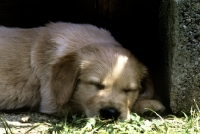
column 18, row 85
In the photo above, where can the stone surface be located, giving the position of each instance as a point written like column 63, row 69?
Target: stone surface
column 183, row 40
column 21, row 123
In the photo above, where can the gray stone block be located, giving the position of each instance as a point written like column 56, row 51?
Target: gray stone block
column 182, row 37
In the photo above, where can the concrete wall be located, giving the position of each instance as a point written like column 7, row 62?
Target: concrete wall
column 181, row 31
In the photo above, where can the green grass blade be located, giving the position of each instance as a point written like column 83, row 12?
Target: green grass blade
column 6, row 126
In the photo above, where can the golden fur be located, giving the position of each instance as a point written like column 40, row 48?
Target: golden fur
column 65, row 66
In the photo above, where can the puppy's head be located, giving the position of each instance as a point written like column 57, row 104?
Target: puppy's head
column 103, row 80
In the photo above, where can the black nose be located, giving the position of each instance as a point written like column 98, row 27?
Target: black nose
column 109, row 113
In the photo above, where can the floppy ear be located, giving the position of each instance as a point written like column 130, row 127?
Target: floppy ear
column 147, row 88
column 65, row 74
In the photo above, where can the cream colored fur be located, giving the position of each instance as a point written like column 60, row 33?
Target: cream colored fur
column 71, row 66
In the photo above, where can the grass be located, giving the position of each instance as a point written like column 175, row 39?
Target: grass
column 171, row 124
column 139, row 125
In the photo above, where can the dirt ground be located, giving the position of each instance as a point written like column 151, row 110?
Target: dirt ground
column 20, row 123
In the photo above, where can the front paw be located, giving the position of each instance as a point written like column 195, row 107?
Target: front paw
column 142, row 107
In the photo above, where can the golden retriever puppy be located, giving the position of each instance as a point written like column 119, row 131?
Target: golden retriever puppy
column 75, row 67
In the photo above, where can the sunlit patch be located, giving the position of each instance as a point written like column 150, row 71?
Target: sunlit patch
column 117, row 70
column 128, row 103
column 128, row 114
column 100, row 94
column 133, row 86
column 60, row 50
column 85, row 64
column 121, row 62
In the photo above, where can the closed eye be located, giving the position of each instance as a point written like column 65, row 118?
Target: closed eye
column 98, row 85
column 129, row 90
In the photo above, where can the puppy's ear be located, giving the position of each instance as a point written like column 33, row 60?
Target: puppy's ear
column 65, row 74
column 147, row 91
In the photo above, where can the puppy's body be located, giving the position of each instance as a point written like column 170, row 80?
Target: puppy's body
column 65, row 65
column 19, row 85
